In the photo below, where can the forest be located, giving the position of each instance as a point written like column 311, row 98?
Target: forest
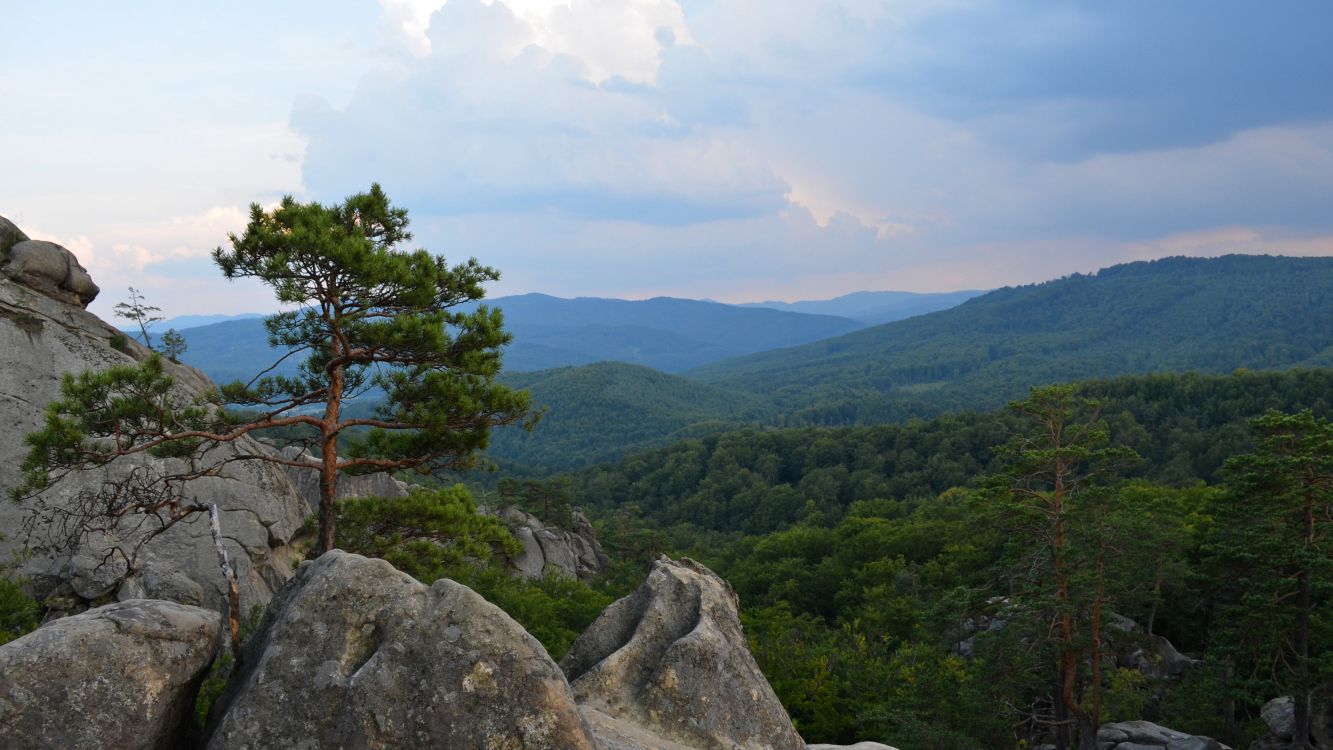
column 899, row 582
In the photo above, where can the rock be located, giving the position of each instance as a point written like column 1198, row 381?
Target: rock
column 123, row 676
column 379, row 484
column 1280, row 716
column 1145, row 735
column 10, row 236
column 857, row 746
column 50, row 269
column 41, row 339
column 550, row 549
column 1158, row 659
column 670, row 661
column 353, row 653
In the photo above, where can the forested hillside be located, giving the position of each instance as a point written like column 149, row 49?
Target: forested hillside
column 1177, row 314
column 891, row 575
column 597, row 412
column 874, row 308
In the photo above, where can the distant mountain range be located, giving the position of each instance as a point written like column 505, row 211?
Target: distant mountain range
column 195, row 321
column 795, row 368
column 1172, row 315
column 666, row 334
column 875, row 308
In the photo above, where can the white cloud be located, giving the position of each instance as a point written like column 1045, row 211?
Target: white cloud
column 608, row 38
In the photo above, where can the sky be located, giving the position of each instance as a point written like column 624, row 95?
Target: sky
column 727, row 149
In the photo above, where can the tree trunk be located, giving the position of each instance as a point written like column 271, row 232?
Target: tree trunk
column 328, row 472
column 233, row 592
column 1300, row 735
column 1063, row 721
column 1087, row 731
column 328, row 487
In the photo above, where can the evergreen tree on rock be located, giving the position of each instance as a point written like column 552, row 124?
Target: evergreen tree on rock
column 366, row 316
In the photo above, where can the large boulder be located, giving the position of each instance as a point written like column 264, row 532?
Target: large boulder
column 10, row 236
column 1280, row 716
column 572, row 553
column 1145, row 735
column 50, row 269
column 353, row 653
column 670, row 661
column 1157, row 659
column 123, row 676
column 42, row 339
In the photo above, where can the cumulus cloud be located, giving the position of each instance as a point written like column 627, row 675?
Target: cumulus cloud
column 734, row 149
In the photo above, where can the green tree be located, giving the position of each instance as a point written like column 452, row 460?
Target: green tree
column 1275, row 561
column 1052, row 499
column 173, row 344
column 143, row 314
column 548, row 500
column 365, row 314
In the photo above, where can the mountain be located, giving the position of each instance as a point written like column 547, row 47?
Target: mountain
column 194, row 321
column 597, row 412
column 664, row 333
column 874, row 308
column 667, row 334
column 233, row 350
column 1171, row 315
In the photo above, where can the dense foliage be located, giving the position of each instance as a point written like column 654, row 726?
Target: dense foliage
column 891, row 585
column 596, row 413
column 434, row 534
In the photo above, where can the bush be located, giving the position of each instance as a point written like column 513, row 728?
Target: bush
column 19, row 613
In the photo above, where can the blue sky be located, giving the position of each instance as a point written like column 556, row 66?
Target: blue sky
column 730, row 149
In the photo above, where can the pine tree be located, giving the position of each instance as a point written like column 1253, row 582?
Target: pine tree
column 1052, row 500
column 1274, row 562
column 366, row 315
column 173, row 344
column 141, row 313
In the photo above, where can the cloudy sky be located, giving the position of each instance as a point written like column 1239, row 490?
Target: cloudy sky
column 731, row 149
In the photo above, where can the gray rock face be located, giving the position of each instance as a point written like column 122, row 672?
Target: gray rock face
column 10, row 236
column 51, row 270
column 547, row 549
column 670, row 661
column 41, row 339
column 573, row 554
column 1145, row 735
column 123, row 676
column 1280, row 716
column 354, row 654
column 1158, row 659
column 306, row 481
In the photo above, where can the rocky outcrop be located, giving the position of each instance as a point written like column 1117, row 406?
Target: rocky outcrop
column 1145, row 735
column 353, row 653
column 548, row 549
column 10, row 236
column 573, row 553
column 1279, row 715
column 50, row 269
column 857, row 746
column 123, row 676
column 41, row 339
column 378, row 484
column 670, row 662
